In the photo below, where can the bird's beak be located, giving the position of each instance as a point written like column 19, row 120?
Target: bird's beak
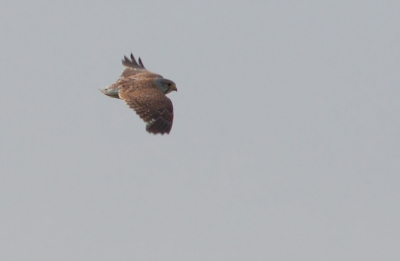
column 174, row 88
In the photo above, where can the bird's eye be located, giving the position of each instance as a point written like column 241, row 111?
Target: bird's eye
column 169, row 84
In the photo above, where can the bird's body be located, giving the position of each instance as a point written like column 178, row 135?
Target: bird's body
column 145, row 92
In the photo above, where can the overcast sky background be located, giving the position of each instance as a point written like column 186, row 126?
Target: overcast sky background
column 285, row 143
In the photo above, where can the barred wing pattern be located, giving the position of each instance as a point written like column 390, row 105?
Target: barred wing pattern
column 152, row 106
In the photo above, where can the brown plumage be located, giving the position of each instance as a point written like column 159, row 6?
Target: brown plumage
column 145, row 92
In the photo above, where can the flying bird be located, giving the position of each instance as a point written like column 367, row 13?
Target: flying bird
column 145, row 92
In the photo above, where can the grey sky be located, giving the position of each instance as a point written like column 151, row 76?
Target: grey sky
column 285, row 143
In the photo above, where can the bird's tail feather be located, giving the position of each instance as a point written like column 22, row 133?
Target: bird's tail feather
column 110, row 92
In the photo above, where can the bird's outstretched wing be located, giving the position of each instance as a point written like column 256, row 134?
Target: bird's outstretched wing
column 152, row 106
column 134, row 68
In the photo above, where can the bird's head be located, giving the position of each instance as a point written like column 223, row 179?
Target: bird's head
column 165, row 85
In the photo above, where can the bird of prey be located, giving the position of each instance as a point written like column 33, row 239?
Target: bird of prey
column 145, row 92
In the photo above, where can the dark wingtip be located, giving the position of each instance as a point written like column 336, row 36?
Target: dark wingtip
column 141, row 63
column 159, row 127
column 132, row 62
